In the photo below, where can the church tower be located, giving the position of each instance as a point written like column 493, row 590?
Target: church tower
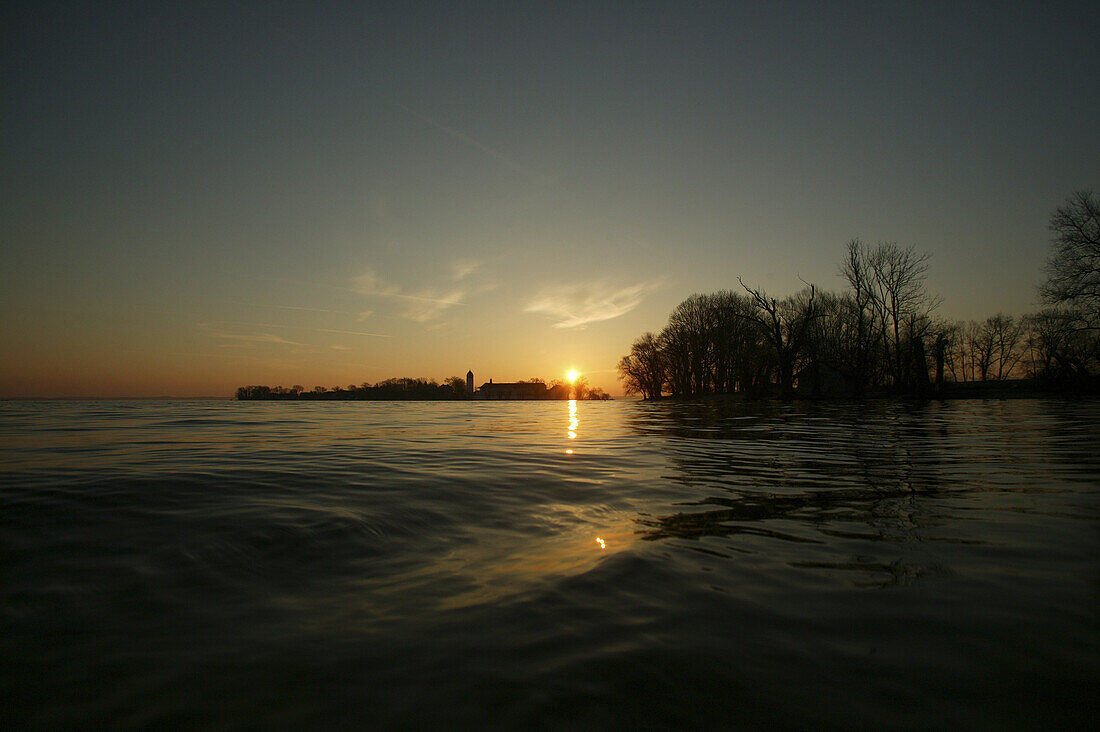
column 469, row 384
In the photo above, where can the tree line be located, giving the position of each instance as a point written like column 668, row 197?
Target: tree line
column 397, row 389
column 404, row 388
column 880, row 333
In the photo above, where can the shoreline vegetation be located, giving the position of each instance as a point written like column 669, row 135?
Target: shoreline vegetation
column 880, row 335
column 1024, row 388
column 418, row 389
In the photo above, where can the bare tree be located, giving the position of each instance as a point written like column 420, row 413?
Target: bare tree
column 898, row 299
column 675, row 344
column 843, row 338
column 857, row 269
column 981, row 348
column 647, row 350
column 785, row 325
column 988, row 350
column 580, row 388
column 690, row 329
column 739, row 360
column 1006, row 333
column 1073, row 270
column 951, row 334
column 728, row 342
column 1059, row 348
column 649, row 358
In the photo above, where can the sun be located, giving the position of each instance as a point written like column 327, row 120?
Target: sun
column 572, row 376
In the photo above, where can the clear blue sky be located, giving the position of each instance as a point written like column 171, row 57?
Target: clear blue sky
column 197, row 196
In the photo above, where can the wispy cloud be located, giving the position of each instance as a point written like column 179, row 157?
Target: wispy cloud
column 574, row 306
column 255, row 338
column 189, row 354
column 369, row 283
column 308, row 310
column 426, row 309
column 269, row 338
column 463, row 268
column 421, row 306
column 353, row 332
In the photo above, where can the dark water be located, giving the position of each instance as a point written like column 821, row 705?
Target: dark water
column 223, row 564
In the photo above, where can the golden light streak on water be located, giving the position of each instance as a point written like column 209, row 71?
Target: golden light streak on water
column 497, row 564
column 574, row 419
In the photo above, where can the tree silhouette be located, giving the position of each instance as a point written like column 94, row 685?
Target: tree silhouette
column 1060, row 351
column 642, row 371
column 580, row 388
column 786, row 326
column 857, row 269
column 1073, row 270
column 900, row 303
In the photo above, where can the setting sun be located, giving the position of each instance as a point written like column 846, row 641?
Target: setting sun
column 572, row 376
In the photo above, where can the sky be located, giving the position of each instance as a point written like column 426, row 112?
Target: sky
column 197, row 196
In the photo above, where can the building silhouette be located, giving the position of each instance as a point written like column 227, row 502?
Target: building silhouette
column 525, row 390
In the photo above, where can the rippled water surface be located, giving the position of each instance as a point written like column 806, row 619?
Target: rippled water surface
column 594, row 565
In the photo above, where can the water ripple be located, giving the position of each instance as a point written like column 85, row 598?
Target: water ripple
column 516, row 564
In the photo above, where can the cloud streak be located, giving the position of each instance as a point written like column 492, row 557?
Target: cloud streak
column 352, row 332
column 463, row 268
column 420, row 307
column 575, row 306
column 256, row 338
column 470, row 141
column 308, row 310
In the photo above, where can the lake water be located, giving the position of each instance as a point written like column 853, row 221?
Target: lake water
column 549, row 564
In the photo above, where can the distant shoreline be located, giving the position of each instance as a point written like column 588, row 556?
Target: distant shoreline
column 340, row 398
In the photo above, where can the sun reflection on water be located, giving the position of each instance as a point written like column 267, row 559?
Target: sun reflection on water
column 574, row 421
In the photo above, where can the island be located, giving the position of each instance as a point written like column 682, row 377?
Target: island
column 419, row 389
